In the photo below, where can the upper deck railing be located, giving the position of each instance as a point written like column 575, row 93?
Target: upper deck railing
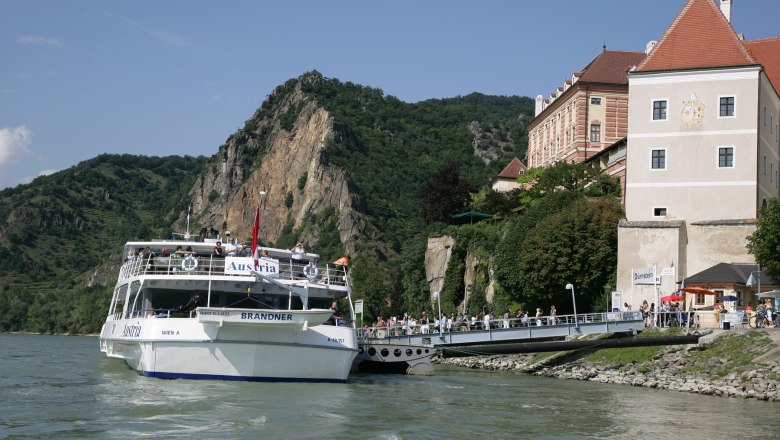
column 213, row 265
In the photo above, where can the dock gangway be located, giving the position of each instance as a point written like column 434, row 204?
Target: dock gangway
column 495, row 331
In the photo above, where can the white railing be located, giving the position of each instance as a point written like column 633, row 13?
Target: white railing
column 499, row 323
column 215, row 265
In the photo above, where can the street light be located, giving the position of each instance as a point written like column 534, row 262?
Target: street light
column 570, row 286
column 438, row 298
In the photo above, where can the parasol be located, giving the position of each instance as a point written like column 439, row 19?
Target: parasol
column 672, row 298
column 770, row 294
column 697, row 290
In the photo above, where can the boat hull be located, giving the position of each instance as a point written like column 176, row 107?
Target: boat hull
column 165, row 348
column 394, row 358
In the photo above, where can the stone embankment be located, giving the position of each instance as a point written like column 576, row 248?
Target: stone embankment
column 669, row 370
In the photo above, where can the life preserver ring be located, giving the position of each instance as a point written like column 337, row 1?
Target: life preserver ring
column 190, row 263
column 310, row 271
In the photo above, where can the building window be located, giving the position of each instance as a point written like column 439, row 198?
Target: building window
column 764, row 116
column 659, row 110
column 595, row 133
column 659, row 212
column 699, row 299
column 595, row 101
column 765, row 165
column 658, row 161
column 726, row 106
column 726, row 157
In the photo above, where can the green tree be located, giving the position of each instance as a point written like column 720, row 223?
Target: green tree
column 444, row 194
column 510, row 249
column 562, row 176
column 764, row 243
column 577, row 245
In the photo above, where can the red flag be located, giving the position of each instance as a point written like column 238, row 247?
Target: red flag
column 254, row 235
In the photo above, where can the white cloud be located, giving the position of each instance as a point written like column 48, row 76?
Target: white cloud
column 38, row 40
column 28, row 179
column 14, row 143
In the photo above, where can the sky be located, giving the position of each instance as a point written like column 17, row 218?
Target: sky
column 80, row 78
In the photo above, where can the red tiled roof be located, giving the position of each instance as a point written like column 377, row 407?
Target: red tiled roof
column 699, row 37
column 611, row 67
column 767, row 52
column 512, row 171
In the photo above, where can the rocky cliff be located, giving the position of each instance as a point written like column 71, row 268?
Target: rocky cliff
column 296, row 183
column 438, row 257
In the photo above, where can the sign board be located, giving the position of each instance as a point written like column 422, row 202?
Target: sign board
column 243, row 266
column 359, row 306
column 645, row 275
column 616, row 301
column 667, row 272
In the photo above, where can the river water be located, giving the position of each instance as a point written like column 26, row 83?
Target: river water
column 63, row 387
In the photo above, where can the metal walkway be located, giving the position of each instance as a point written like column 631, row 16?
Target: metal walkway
column 588, row 324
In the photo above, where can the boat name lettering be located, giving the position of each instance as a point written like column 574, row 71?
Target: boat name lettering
column 213, row 313
column 339, row 340
column 267, row 316
column 170, row 332
column 244, row 266
column 131, row 331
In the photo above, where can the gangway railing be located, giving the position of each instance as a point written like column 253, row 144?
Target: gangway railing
column 498, row 330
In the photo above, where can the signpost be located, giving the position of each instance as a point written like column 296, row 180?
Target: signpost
column 616, row 300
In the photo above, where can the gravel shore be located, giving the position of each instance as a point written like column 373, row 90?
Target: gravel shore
column 669, row 370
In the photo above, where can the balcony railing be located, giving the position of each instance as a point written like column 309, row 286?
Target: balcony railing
column 213, row 265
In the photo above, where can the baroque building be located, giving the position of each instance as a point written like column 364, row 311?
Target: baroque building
column 585, row 115
column 703, row 150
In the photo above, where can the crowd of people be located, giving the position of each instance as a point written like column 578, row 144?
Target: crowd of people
column 409, row 324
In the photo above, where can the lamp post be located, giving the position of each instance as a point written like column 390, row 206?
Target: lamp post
column 570, row 286
column 438, row 299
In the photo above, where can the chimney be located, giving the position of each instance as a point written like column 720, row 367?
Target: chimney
column 650, row 45
column 725, row 8
column 539, row 105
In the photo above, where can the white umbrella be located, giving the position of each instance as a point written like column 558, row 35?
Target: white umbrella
column 770, row 294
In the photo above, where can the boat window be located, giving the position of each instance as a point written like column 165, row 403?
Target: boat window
column 173, row 300
column 118, row 301
column 131, row 301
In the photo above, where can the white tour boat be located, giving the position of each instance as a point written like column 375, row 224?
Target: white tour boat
column 200, row 315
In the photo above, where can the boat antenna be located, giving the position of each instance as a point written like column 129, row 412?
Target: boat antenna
column 189, row 210
column 255, row 243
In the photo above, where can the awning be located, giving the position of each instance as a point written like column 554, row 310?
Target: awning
column 471, row 216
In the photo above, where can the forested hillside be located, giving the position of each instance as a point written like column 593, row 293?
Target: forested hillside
column 56, row 231
column 391, row 148
column 408, row 168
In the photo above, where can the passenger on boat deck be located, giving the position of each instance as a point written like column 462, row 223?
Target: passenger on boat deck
column 131, row 255
column 147, row 253
column 380, row 323
column 298, row 253
column 335, row 317
column 218, row 249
